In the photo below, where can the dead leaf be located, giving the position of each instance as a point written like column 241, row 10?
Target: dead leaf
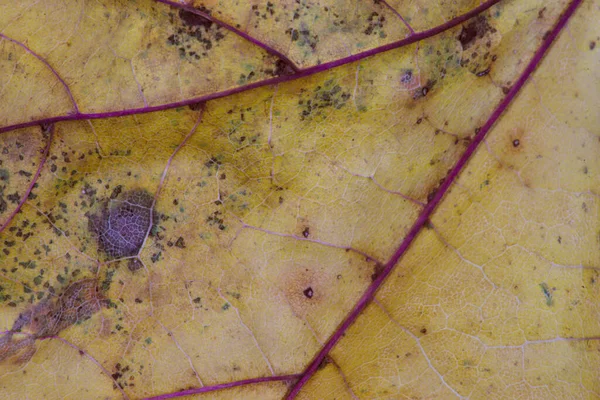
column 315, row 200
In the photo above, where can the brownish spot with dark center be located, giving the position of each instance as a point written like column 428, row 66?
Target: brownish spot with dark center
column 308, row 292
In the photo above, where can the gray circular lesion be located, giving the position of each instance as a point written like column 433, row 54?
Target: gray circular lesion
column 121, row 224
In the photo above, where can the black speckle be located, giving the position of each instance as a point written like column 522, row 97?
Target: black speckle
column 306, row 232
column 516, row 143
column 592, row 45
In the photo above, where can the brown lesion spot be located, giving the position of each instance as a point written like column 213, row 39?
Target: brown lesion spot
column 122, row 222
column 477, row 28
column 75, row 304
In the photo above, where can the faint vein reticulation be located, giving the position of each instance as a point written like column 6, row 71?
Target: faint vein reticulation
column 120, row 226
column 78, row 302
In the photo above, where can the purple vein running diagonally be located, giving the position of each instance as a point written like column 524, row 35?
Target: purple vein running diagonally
column 50, row 134
column 221, row 386
column 272, row 81
column 54, row 72
column 421, row 221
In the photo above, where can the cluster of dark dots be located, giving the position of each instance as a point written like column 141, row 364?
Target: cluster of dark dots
column 328, row 95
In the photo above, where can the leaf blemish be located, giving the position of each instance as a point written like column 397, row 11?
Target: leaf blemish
column 476, row 29
column 547, row 293
column 77, row 303
column 122, row 222
column 308, row 292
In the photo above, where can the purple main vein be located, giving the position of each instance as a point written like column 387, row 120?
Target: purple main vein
column 222, row 386
column 369, row 294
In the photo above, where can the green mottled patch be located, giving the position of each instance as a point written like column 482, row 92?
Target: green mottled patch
column 547, row 293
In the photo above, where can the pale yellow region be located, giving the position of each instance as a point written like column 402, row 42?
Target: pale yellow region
column 424, row 296
column 282, row 296
column 273, row 170
column 117, row 55
column 56, row 370
column 327, row 383
column 561, row 77
column 538, row 370
column 312, row 32
column 522, row 26
column 28, row 88
column 382, row 359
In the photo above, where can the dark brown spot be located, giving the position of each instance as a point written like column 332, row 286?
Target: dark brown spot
column 476, row 29
column 377, row 271
column 196, row 106
column 308, row 292
column 541, row 13
column 423, row 331
column 483, row 73
column 191, row 19
column 134, row 264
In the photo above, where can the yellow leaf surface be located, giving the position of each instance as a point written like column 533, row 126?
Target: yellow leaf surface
column 229, row 200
